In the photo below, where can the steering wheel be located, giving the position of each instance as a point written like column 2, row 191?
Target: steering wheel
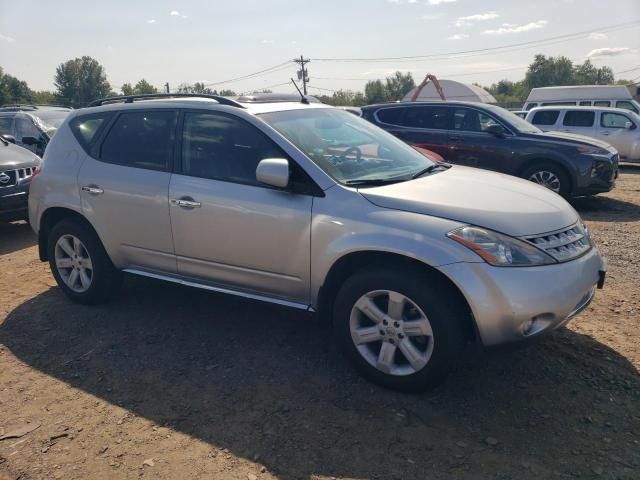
column 356, row 150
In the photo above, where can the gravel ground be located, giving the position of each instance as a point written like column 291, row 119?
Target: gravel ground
column 169, row 382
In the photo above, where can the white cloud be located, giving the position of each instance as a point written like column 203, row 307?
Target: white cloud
column 151, row 20
column 479, row 17
column 267, row 42
column 438, row 2
column 514, row 28
column 175, row 13
column 7, row 38
column 430, row 17
column 608, row 52
column 458, row 36
column 598, row 36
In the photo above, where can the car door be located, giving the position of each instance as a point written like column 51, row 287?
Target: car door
column 472, row 145
column 612, row 128
column 124, row 185
column 423, row 126
column 581, row 122
column 232, row 231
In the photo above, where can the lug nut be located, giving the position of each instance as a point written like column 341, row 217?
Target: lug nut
column 391, row 341
column 400, row 336
column 381, row 332
column 384, row 322
column 396, row 324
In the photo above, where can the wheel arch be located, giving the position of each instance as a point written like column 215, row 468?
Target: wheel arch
column 50, row 217
column 540, row 160
column 352, row 262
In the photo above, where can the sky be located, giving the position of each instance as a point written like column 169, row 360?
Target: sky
column 187, row 41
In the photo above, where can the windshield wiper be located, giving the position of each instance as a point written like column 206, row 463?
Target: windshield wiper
column 430, row 169
column 372, row 181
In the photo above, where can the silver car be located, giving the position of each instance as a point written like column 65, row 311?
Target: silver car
column 311, row 207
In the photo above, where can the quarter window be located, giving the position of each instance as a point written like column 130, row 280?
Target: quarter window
column 613, row 120
column 545, row 117
column 221, row 147
column 142, row 139
column 626, row 105
column 85, row 128
column 576, row 118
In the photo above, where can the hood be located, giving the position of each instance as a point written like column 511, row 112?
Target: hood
column 469, row 195
column 574, row 137
column 13, row 156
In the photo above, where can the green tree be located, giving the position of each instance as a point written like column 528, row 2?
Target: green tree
column 588, row 74
column 13, row 90
column 80, row 81
column 226, row 93
column 398, row 85
column 127, row 89
column 43, row 97
column 549, row 71
column 375, row 92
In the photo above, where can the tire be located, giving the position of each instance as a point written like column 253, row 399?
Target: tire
column 424, row 296
column 103, row 277
column 552, row 174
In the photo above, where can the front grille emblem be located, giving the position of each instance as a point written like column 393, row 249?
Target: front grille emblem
column 4, row 178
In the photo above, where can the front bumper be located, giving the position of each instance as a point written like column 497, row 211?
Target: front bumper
column 510, row 304
column 600, row 178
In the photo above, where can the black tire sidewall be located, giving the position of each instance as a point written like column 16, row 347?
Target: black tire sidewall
column 444, row 316
column 104, row 275
column 565, row 183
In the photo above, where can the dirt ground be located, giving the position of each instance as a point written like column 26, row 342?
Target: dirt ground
column 175, row 383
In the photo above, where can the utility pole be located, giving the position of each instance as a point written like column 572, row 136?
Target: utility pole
column 166, row 88
column 303, row 73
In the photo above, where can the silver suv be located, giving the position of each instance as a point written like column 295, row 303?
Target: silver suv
column 311, row 207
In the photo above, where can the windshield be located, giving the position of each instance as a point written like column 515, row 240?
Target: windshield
column 52, row 119
column 514, row 120
column 349, row 149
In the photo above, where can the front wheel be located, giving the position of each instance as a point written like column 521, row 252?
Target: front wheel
column 550, row 176
column 399, row 329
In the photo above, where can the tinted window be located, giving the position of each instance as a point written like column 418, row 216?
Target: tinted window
column 26, row 128
column 85, row 128
column 626, row 105
column 470, row 120
column 585, row 103
column 531, row 105
column 557, row 103
column 613, row 120
column 601, row 104
column 575, row 118
column 6, row 126
column 391, row 116
column 440, row 118
column 545, row 117
column 141, row 139
column 224, row 148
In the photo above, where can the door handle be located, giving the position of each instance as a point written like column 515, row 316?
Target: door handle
column 186, row 202
column 92, row 189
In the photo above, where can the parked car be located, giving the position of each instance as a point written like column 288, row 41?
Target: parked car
column 490, row 137
column 615, row 126
column 277, row 201
column 31, row 126
column 17, row 168
column 617, row 96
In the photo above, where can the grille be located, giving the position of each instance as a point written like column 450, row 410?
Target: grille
column 566, row 244
column 9, row 178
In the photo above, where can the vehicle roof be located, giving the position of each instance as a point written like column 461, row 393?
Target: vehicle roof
column 579, row 92
column 582, row 107
column 434, row 102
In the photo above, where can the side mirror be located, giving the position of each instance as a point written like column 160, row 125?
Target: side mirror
column 495, row 129
column 30, row 141
column 273, row 172
column 9, row 138
column 629, row 125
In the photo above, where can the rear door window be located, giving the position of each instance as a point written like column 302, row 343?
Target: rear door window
column 613, row 120
column 391, row 116
column 141, row 139
column 545, row 117
column 431, row 117
column 579, row 118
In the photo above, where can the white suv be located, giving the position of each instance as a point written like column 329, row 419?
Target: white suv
column 616, row 126
column 311, row 207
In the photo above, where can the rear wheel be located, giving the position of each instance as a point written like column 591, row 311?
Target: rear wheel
column 80, row 264
column 398, row 328
column 550, row 176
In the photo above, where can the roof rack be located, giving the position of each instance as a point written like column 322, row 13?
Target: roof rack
column 151, row 96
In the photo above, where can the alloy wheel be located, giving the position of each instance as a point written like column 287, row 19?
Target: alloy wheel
column 546, row 179
column 73, row 263
column 391, row 332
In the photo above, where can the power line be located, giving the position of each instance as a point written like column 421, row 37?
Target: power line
column 484, row 51
column 272, row 69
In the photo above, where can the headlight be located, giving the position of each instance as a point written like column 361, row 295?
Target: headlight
column 498, row 249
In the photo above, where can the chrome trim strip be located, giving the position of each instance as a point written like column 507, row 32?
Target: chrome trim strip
column 203, row 286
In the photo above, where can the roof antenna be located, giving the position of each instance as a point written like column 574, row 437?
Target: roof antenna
column 303, row 99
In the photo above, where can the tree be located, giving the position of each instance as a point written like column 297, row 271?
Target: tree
column 195, row 88
column 588, row 74
column 226, row 93
column 551, row 71
column 398, row 85
column 141, row 88
column 375, row 92
column 43, row 97
column 127, row 89
column 13, row 90
column 80, row 81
